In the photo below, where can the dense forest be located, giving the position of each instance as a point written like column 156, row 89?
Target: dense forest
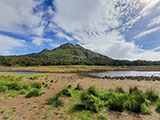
column 68, row 54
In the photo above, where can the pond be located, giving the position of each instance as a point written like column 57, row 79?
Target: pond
column 21, row 72
column 127, row 73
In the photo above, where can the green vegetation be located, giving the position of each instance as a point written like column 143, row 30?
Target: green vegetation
column 79, row 87
column 15, row 85
column 65, row 92
column 101, row 117
column 158, row 107
column 152, row 96
column 55, row 101
column 96, row 100
column 68, row 54
column 34, row 93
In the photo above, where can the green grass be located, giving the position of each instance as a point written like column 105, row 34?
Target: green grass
column 34, row 93
column 55, row 101
column 14, row 85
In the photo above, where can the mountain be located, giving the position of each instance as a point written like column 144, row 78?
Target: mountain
column 67, row 54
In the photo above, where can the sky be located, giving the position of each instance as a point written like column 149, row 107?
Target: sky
column 120, row 29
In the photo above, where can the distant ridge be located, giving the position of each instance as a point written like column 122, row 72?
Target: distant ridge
column 68, row 54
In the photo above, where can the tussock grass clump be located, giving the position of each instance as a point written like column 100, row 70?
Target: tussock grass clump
column 134, row 102
column 34, row 93
column 117, row 102
column 145, row 109
column 101, row 117
column 133, row 89
column 69, row 86
column 91, row 102
column 55, row 101
column 36, row 85
column 79, row 87
column 158, row 107
column 93, row 91
column 3, row 88
column 34, row 78
column 152, row 96
column 65, row 92
column 138, row 102
column 119, row 90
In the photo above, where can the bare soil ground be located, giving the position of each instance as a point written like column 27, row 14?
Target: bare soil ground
column 21, row 108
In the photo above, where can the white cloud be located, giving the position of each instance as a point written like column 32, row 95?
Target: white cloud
column 155, row 21
column 18, row 16
column 8, row 44
column 97, row 25
column 142, row 34
column 64, row 36
column 40, row 41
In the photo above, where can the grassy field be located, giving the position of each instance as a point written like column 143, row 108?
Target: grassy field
column 69, row 96
column 77, row 68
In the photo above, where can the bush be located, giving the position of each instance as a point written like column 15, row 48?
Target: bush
column 14, row 86
column 145, row 109
column 36, row 85
column 55, row 102
column 65, row 92
column 158, row 107
column 106, row 96
column 117, row 102
column 152, row 96
column 22, row 92
column 33, row 78
column 94, row 91
column 33, row 93
column 79, row 87
column 26, row 86
column 91, row 102
column 134, row 102
column 119, row 90
column 3, row 88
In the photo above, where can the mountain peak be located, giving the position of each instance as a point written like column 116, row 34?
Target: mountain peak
column 69, row 45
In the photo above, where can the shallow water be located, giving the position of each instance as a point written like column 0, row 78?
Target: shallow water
column 127, row 73
column 20, row 72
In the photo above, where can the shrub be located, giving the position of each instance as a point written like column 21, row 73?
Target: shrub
column 36, row 85
column 26, row 86
column 55, row 102
column 158, row 107
column 145, row 109
column 152, row 96
column 91, row 102
column 3, row 88
column 33, row 93
column 94, row 91
column 79, row 87
column 134, row 102
column 117, row 102
column 78, row 107
column 65, row 92
column 33, row 78
column 106, row 95
column 119, row 90
column 22, row 92
column 14, row 86
column 101, row 117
